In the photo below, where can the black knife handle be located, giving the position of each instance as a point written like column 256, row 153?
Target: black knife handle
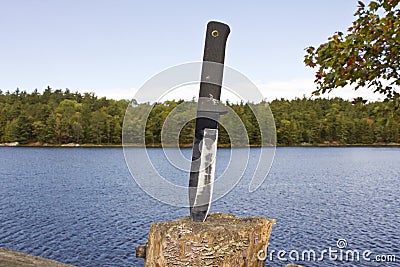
column 214, row 51
column 216, row 36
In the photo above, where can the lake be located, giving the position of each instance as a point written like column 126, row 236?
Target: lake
column 81, row 206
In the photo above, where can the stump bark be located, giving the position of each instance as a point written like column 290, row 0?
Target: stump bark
column 222, row 240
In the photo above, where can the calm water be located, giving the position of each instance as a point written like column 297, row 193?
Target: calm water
column 81, row 206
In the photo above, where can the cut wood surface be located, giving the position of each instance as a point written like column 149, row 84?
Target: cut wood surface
column 222, row 240
column 11, row 258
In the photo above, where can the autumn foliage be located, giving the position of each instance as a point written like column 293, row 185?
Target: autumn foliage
column 367, row 55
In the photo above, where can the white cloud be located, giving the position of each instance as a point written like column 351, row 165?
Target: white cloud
column 298, row 88
column 290, row 89
column 115, row 93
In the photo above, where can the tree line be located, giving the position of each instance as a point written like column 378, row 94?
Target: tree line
column 61, row 116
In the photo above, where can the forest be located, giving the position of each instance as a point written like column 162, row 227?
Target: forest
column 56, row 117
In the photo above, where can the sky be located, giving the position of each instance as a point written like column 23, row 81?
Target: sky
column 113, row 47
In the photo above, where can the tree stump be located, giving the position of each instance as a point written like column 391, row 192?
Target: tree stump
column 222, row 240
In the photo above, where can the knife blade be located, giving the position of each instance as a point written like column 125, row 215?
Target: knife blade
column 204, row 151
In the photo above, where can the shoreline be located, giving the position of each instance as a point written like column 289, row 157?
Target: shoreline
column 73, row 145
column 13, row 258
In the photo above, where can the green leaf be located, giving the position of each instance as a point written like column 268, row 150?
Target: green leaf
column 373, row 6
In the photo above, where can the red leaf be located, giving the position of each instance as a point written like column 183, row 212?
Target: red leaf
column 350, row 62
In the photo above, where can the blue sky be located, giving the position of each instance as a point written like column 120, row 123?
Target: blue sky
column 112, row 47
